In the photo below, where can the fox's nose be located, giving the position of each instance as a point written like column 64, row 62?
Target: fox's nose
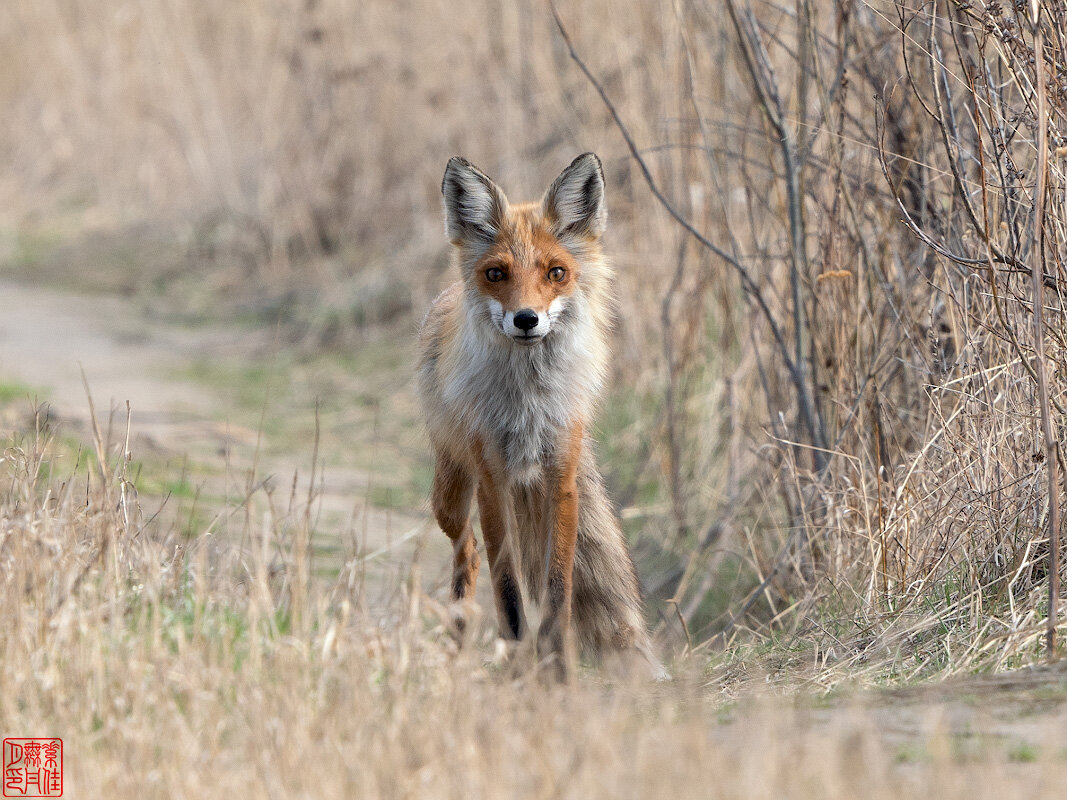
column 525, row 319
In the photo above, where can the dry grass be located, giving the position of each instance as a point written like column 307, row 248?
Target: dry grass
column 826, row 439
column 210, row 669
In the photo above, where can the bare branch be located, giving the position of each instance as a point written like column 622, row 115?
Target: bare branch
column 797, row 371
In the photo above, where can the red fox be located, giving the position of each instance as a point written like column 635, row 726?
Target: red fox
column 512, row 359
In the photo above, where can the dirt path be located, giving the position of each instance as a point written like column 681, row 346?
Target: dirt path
column 48, row 338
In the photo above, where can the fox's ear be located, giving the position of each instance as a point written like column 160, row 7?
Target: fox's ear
column 574, row 203
column 474, row 205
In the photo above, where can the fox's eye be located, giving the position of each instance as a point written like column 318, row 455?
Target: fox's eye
column 556, row 274
column 494, row 274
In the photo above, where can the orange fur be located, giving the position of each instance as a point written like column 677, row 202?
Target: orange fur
column 526, row 252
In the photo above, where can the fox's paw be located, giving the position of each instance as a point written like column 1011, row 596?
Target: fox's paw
column 556, row 656
column 462, row 619
column 505, row 653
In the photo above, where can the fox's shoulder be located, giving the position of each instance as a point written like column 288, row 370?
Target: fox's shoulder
column 443, row 305
column 441, row 320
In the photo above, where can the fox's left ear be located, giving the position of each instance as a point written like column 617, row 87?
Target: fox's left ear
column 574, row 203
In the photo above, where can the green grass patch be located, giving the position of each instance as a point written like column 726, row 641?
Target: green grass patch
column 12, row 391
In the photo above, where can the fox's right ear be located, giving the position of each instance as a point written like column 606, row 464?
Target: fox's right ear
column 474, row 205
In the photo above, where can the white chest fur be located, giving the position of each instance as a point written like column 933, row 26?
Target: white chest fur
column 522, row 401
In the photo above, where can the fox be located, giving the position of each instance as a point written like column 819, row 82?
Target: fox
column 512, row 360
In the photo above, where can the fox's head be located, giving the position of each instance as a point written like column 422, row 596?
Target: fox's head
column 525, row 263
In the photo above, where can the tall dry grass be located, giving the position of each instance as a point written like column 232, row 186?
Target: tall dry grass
column 958, row 527
column 208, row 669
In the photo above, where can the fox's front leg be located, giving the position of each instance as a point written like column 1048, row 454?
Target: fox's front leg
column 553, row 637
column 497, row 515
column 453, row 489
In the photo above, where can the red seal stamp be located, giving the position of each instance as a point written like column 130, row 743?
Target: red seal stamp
column 33, row 767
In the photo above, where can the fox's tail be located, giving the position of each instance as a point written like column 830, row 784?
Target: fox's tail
column 607, row 612
column 607, row 609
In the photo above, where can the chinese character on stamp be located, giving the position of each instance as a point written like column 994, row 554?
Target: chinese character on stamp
column 33, row 767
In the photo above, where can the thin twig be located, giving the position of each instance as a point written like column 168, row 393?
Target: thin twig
column 1037, row 287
